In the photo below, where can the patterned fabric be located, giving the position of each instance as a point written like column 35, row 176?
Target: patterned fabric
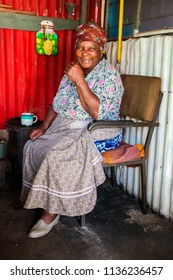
column 92, row 33
column 104, row 81
column 62, row 169
column 109, row 144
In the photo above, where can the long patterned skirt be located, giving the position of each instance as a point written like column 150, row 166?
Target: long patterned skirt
column 62, row 169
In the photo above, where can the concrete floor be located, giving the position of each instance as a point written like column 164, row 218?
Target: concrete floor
column 115, row 230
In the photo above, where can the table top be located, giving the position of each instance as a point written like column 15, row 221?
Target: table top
column 16, row 123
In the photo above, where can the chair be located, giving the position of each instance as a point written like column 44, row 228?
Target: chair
column 141, row 102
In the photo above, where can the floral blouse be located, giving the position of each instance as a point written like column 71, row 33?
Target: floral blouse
column 104, row 81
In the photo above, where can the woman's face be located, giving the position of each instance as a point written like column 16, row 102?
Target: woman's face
column 88, row 54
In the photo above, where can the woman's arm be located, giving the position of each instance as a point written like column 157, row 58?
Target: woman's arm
column 89, row 101
column 36, row 132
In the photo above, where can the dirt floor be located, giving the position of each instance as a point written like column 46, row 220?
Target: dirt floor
column 115, row 230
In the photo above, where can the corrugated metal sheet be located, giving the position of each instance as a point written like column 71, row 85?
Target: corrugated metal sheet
column 152, row 56
column 29, row 81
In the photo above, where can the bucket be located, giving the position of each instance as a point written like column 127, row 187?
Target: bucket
column 3, row 149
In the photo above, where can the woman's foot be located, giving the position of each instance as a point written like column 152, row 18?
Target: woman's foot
column 44, row 225
column 47, row 217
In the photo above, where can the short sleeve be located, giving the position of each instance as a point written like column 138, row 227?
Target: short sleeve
column 110, row 95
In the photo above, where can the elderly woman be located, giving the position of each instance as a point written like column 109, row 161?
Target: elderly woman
column 62, row 160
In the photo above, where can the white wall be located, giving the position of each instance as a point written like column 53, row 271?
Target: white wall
column 151, row 56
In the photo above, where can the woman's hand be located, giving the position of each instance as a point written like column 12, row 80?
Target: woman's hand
column 74, row 72
column 40, row 130
column 36, row 132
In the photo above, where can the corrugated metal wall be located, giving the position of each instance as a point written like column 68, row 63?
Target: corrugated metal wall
column 29, row 81
column 152, row 56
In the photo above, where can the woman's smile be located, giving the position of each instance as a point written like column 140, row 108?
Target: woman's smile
column 85, row 62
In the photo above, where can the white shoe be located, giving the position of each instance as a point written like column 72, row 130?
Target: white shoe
column 41, row 228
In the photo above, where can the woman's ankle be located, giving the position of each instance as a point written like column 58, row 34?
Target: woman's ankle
column 47, row 217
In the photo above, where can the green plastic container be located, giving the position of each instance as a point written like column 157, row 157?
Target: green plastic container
column 47, row 39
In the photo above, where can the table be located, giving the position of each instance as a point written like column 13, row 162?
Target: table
column 18, row 135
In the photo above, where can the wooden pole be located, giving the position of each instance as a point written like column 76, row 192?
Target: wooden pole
column 138, row 17
column 83, row 12
column 106, row 16
column 8, row 10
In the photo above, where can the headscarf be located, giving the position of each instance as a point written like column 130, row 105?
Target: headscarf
column 92, row 33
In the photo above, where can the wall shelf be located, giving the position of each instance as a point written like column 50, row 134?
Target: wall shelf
column 32, row 22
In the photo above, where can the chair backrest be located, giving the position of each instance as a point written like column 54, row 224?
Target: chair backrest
column 141, row 97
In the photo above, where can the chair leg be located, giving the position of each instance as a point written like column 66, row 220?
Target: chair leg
column 144, row 198
column 113, row 179
column 82, row 221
